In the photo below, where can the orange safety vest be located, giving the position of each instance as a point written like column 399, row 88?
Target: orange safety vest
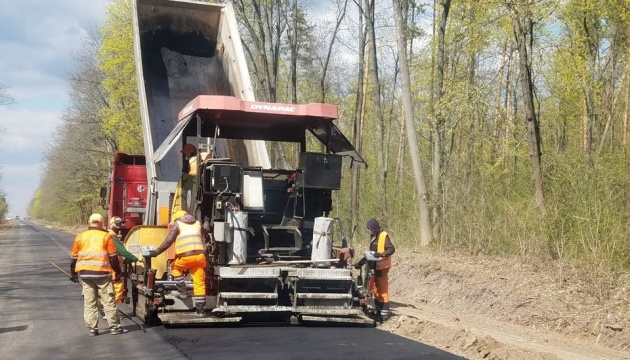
column 383, row 262
column 189, row 238
column 93, row 250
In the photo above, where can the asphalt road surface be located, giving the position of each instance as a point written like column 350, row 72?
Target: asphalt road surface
column 41, row 317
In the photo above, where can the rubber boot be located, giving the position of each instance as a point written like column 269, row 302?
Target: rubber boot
column 385, row 313
column 200, row 309
column 378, row 308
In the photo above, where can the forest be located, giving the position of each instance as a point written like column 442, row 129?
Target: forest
column 490, row 127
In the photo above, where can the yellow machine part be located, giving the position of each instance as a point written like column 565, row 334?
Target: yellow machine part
column 144, row 235
column 185, row 194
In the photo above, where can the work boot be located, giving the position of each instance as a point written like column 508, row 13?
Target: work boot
column 179, row 294
column 93, row 332
column 118, row 331
column 378, row 308
column 181, row 291
column 385, row 314
column 200, row 309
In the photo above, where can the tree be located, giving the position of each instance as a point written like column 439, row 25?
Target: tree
column 412, row 140
column 4, row 206
column 5, row 98
column 379, row 142
column 438, row 114
column 342, row 6
column 78, row 159
column 121, row 114
column 264, row 24
column 358, row 116
column 523, row 27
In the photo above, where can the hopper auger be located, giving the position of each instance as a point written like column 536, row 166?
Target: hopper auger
column 271, row 253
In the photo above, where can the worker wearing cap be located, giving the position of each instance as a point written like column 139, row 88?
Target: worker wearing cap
column 188, row 236
column 94, row 257
column 383, row 248
column 115, row 225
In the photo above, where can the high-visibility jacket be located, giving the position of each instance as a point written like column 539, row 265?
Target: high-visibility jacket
column 386, row 261
column 189, row 238
column 92, row 249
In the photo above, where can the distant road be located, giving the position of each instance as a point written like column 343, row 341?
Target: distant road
column 42, row 318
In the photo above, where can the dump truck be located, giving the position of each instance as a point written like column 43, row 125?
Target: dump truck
column 126, row 193
column 272, row 254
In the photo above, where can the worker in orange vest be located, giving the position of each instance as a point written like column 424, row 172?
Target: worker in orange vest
column 188, row 235
column 383, row 248
column 94, row 257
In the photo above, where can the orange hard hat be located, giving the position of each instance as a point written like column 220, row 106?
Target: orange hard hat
column 189, row 149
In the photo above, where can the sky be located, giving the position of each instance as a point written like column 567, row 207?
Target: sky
column 37, row 40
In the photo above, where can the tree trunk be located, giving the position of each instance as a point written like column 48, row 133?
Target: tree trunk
column 625, row 119
column 293, row 39
column 439, row 120
column 523, row 28
column 358, row 125
column 376, row 98
column 506, row 108
column 322, row 81
column 414, row 152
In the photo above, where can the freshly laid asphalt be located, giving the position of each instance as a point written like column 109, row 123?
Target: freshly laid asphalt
column 42, row 318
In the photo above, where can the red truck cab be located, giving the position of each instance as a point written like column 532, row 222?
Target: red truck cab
column 128, row 189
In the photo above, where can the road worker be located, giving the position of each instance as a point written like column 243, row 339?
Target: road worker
column 94, row 257
column 188, row 236
column 382, row 248
column 115, row 226
column 190, row 152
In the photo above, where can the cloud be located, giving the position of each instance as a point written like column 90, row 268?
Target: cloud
column 19, row 184
column 26, row 134
column 37, row 39
column 25, row 131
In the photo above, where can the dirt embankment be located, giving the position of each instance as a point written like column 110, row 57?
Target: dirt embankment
column 491, row 308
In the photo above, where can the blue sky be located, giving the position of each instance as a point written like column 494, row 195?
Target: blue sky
column 37, row 40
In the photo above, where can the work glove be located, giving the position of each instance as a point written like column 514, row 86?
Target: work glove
column 378, row 254
column 358, row 266
column 74, row 278
column 153, row 253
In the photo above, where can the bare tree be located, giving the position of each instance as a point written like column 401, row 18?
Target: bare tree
column 412, row 140
column 5, row 98
column 264, row 24
column 78, row 159
column 439, row 121
column 523, row 27
column 359, row 109
column 376, row 98
column 342, row 6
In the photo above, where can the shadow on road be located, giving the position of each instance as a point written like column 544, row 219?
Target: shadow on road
column 13, row 328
